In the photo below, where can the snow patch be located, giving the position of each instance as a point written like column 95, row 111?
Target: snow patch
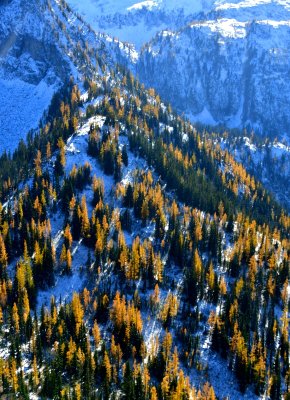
column 149, row 4
column 227, row 27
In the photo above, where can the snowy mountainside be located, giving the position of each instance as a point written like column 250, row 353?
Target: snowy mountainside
column 37, row 57
column 21, row 108
column 43, row 45
column 31, row 69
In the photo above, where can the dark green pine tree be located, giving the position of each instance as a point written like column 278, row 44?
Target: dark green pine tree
column 76, row 223
column 108, row 162
column 52, row 383
column 48, row 264
column 125, row 155
column 128, row 198
column 128, row 386
column 275, row 391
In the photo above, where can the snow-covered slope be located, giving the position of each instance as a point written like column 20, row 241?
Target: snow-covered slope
column 238, row 79
column 43, row 44
column 219, row 62
column 21, row 108
column 31, row 69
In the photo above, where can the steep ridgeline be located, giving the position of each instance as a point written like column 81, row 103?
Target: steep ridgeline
column 42, row 45
column 139, row 260
column 229, row 68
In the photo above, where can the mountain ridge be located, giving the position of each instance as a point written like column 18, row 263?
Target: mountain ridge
column 138, row 258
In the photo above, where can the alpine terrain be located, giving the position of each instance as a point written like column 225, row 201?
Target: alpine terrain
column 140, row 255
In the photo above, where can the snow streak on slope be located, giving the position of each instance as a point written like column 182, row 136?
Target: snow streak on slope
column 21, row 107
column 242, row 4
column 225, row 27
column 149, row 4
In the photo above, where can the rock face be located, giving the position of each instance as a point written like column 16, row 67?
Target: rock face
column 43, row 44
column 29, row 49
column 226, row 70
column 32, row 68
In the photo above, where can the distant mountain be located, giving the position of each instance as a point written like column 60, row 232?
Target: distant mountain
column 220, row 62
column 137, row 22
column 230, row 69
